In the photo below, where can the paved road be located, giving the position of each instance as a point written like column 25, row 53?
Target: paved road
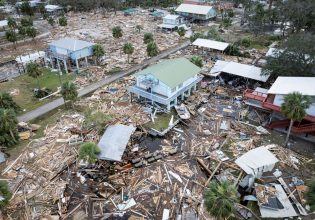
column 91, row 88
column 39, row 25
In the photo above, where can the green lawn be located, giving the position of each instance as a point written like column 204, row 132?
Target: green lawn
column 162, row 120
column 25, row 84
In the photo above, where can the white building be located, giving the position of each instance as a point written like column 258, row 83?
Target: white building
column 166, row 81
column 172, row 22
column 196, row 12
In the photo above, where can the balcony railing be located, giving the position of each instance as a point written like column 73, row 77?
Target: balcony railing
column 162, row 99
column 50, row 53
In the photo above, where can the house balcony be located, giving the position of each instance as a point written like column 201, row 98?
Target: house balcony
column 160, row 98
column 52, row 54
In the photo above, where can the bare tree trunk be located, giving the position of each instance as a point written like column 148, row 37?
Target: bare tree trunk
column 288, row 134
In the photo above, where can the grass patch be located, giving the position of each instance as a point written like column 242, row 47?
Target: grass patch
column 25, row 84
column 162, row 120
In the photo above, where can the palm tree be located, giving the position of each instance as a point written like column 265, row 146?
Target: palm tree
column 11, row 36
column 11, row 23
column 310, row 194
column 5, row 192
column 33, row 70
column 7, row 102
column 220, row 199
column 197, row 60
column 181, row 31
column 89, row 152
column 22, row 31
column 69, row 92
column 152, row 49
column 63, row 21
column 147, row 38
column 51, row 21
column 139, row 28
column 98, row 52
column 117, row 32
column 31, row 32
column 128, row 49
column 294, row 107
column 8, row 125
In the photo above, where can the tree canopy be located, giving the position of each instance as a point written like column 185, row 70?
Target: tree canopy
column 69, row 92
column 220, row 199
column 181, row 31
column 197, row 60
column 310, row 194
column 6, row 102
column 128, row 49
column 8, row 128
column 117, row 32
column 33, row 70
column 63, row 21
column 5, row 193
column 152, row 49
column 294, row 107
column 98, row 51
column 147, row 38
column 295, row 57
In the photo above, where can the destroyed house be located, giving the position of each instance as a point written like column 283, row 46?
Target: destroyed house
column 196, row 12
column 272, row 99
column 69, row 54
column 172, row 22
column 233, row 71
column 165, row 82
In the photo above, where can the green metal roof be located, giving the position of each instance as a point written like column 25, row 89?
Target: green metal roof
column 130, row 10
column 172, row 72
column 157, row 13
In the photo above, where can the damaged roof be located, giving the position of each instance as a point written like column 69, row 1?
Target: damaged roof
column 211, row 44
column 257, row 161
column 114, row 142
column 172, row 72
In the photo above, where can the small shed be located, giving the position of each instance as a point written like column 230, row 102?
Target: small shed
column 114, row 142
column 211, row 44
column 257, row 161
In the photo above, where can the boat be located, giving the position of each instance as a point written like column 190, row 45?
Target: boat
column 182, row 111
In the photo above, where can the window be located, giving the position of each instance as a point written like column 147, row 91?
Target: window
column 173, row 90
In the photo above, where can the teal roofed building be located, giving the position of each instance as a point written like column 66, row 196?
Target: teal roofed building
column 167, row 82
column 130, row 11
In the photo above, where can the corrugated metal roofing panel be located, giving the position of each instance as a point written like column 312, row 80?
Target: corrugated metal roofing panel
column 114, row 141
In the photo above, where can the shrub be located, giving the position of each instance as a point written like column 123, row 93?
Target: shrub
column 5, row 193
column 89, row 152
